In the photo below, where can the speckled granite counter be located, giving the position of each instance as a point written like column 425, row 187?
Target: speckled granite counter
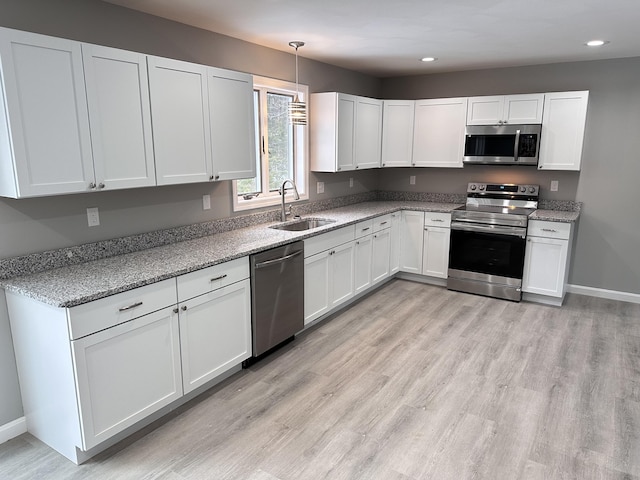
column 77, row 284
column 555, row 216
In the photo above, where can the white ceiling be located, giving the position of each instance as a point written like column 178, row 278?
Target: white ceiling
column 388, row 37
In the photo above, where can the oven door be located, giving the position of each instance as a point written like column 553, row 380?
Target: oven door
column 487, row 259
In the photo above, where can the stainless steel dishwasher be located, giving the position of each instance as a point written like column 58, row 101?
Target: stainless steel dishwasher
column 277, row 296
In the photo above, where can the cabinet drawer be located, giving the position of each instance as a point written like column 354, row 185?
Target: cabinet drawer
column 104, row 313
column 211, row 278
column 381, row 222
column 542, row 228
column 437, row 219
column 364, row 228
column 328, row 240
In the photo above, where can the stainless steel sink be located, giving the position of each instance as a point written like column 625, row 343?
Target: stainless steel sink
column 303, row 224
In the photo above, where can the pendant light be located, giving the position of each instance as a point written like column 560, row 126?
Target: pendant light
column 297, row 109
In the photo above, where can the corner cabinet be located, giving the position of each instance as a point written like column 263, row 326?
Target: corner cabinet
column 495, row 110
column 563, row 126
column 45, row 144
column 346, row 132
column 438, row 138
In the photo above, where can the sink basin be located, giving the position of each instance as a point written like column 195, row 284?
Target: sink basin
column 303, row 224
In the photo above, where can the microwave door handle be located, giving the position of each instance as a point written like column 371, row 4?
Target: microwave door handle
column 516, row 148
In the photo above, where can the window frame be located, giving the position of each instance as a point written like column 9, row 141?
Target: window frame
column 301, row 150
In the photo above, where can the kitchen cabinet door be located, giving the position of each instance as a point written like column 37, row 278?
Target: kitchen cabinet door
column 215, row 333
column 125, row 373
column 435, row 260
column 45, row 144
column 545, row 266
column 486, row 110
column 438, row 139
column 563, row 125
column 397, row 133
column 346, row 131
column 381, row 255
column 120, row 117
column 362, row 263
column 317, row 271
column 411, row 243
column 231, row 117
column 368, row 133
column 394, row 243
column 180, row 119
column 342, row 274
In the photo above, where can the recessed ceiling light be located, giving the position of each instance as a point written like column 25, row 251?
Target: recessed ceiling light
column 428, row 59
column 596, row 43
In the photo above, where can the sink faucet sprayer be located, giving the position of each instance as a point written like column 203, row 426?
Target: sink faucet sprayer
column 283, row 215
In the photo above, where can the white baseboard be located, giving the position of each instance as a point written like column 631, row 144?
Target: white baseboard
column 602, row 293
column 12, row 429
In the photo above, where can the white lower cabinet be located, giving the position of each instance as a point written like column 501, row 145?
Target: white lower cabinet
column 411, row 241
column 215, row 333
column 435, row 251
column 394, row 243
column 125, row 373
column 381, row 256
column 547, row 258
column 363, row 248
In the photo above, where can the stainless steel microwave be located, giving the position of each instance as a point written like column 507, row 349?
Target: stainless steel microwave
column 502, row 144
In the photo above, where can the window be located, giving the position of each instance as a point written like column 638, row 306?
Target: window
column 281, row 148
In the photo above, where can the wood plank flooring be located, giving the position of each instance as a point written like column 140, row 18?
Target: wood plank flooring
column 413, row 382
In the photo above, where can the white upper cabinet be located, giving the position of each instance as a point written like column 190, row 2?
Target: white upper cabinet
column 438, row 138
column 180, row 114
column 368, row 132
column 496, row 110
column 346, row 132
column 397, row 133
column 233, row 149
column 119, row 117
column 565, row 116
column 45, row 145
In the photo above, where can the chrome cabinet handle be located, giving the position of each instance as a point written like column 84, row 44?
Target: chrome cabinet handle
column 437, row 220
column 124, row 309
column 92, row 185
column 549, row 230
column 365, row 229
column 383, row 223
column 218, row 278
column 211, row 177
column 184, row 308
column 175, row 310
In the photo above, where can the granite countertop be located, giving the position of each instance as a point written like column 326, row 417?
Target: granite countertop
column 555, row 216
column 77, row 284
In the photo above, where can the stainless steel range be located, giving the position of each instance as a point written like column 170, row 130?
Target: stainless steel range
column 488, row 237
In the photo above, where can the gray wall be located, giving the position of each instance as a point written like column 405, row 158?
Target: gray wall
column 608, row 234
column 33, row 225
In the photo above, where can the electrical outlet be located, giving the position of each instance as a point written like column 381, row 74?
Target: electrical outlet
column 206, row 202
column 320, row 187
column 412, row 179
column 554, row 185
column 93, row 217
column 351, row 182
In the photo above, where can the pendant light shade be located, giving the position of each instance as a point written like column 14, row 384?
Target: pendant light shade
column 297, row 109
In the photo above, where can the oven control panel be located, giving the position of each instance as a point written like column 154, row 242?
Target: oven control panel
column 509, row 189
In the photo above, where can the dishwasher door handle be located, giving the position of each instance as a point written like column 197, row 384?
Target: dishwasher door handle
column 277, row 260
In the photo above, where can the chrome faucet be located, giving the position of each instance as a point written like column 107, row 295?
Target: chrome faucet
column 283, row 214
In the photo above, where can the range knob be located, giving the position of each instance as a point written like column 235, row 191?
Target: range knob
column 481, row 187
column 532, row 189
column 473, row 187
column 523, row 189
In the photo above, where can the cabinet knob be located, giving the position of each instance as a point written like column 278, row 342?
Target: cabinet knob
column 357, row 167
column 217, row 177
column 383, row 164
column 184, row 308
column 175, row 310
column 101, row 185
column 211, row 178
column 92, row 185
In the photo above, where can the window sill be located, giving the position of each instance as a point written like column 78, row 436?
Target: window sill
column 240, row 205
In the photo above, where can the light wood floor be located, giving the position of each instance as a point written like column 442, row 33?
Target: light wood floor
column 412, row 382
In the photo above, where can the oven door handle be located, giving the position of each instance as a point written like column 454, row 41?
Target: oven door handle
column 496, row 229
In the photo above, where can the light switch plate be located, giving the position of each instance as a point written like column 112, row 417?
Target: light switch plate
column 412, row 179
column 206, row 202
column 93, row 216
column 320, row 187
column 554, row 185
